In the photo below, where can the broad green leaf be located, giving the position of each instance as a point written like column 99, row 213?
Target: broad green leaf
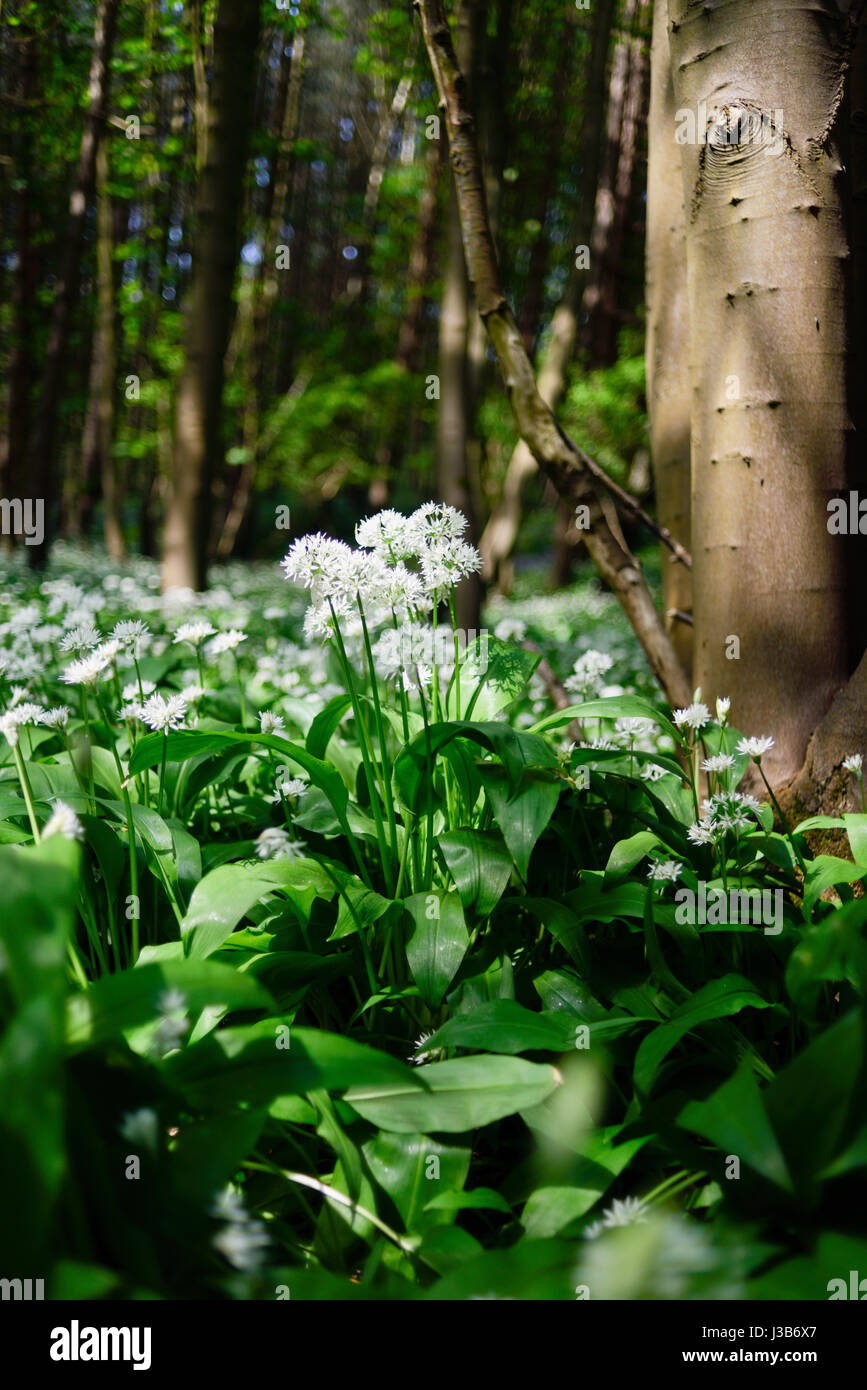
column 115, row 1003
column 611, row 707
column 627, row 853
column 522, row 814
column 563, row 924
column 419, row 1172
column 505, row 1026
column 325, row 725
column 826, row 871
column 226, row 895
column 541, row 1270
column 437, row 942
column 187, row 743
column 735, row 1120
column 480, row 865
column 493, row 674
column 717, row 999
column 480, row 1199
column 463, row 1094
column 816, row 1103
column 561, row 990
column 516, row 750
column 252, row 1065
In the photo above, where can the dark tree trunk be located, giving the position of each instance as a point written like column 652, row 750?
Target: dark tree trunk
column 198, row 437
column 66, row 289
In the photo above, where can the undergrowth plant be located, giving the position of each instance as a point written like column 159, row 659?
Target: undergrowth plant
column 351, row 967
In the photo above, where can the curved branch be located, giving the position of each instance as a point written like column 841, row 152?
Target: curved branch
column 573, row 474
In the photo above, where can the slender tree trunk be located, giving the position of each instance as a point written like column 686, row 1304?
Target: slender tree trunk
column 419, row 266
column 610, row 309
column 105, row 354
column 66, row 288
column 605, row 209
column 198, row 440
column 98, row 468
column 769, row 415
column 15, row 468
column 529, row 320
column 454, row 425
column 500, row 534
column 251, row 328
column 668, row 334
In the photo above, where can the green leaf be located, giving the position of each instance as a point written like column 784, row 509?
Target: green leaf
column 438, row 942
column 627, row 853
column 493, row 674
column 247, row 1065
column 480, row 865
column 226, row 895
column 505, row 1026
column 735, row 1120
column 480, row 1199
column 115, row 1003
column 563, row 924
column 325, row 725
column 560, row 990
column 717, row 999
column 612, row 707
column 187, row 743
column 816, row 1102
column 463, row 1094
column 541, row 1270
column 826, row 871
column 523, row 814
column 418, row 1172
column 517, row 751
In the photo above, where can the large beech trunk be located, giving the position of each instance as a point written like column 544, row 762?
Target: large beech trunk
column 766, row 247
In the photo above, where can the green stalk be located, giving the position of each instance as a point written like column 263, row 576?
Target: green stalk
column 163, row 771
column 363, row 742
column 26, row 792
column 130, row 831
column 146, row 775
column 380, row 727
column 368, row 962
column 240, row 691
column 428, row 868
column 454, row 617
column 86, row 716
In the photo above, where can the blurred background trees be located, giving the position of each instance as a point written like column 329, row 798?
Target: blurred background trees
column 233, row 276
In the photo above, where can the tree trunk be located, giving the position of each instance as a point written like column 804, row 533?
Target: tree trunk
column 15, row 467
column 605, row 209
column 97, row 464
column 255, row 314
column 668, row 333
column 765, row 251
column 501, row 532
column 198, row 440
column 66, row 288
column 610, row 309
column 454, row 413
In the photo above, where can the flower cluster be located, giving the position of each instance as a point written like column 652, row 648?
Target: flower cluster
column 729, row 810
column 242, row 1240
column 403, row 568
